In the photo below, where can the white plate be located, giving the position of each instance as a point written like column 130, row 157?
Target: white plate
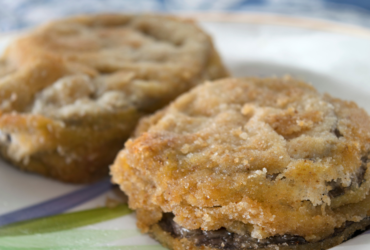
column 336, row 60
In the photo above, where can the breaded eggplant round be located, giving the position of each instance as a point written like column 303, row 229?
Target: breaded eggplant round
column 250, row 164
column 73, row 90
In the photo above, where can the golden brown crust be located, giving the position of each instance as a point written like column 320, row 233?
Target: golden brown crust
column 152, row 59
column 74, row 154
column 264, row 153
column 82, row 83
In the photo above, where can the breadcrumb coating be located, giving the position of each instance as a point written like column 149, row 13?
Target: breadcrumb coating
column 258, row 156
column 83, row 83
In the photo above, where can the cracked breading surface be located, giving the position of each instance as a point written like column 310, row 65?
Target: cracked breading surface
column 256, row 156
column 73, row 90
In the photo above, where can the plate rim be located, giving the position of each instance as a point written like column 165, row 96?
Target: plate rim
column 253, row 17
column 279, row 20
